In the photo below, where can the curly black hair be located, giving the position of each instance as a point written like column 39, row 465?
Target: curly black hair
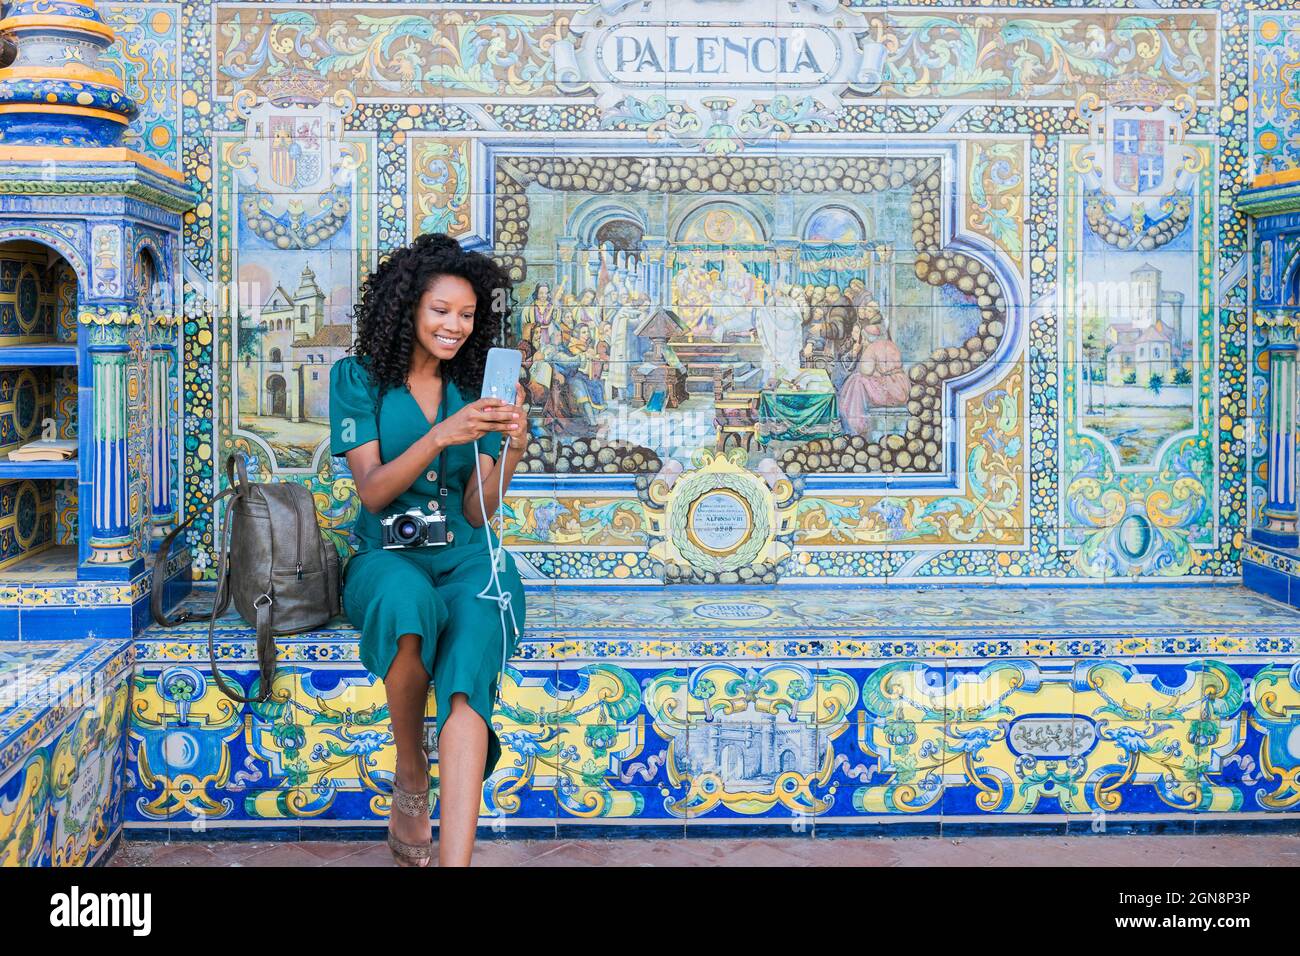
column 384, row 315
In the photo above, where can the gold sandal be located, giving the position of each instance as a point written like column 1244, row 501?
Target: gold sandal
column 412, row 805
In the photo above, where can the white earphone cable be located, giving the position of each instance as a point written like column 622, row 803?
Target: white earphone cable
column 496, row 555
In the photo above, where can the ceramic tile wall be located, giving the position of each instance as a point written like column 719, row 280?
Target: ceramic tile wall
column 971, row 282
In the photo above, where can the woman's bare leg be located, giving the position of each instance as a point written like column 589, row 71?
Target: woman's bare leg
column 407, row 686
column 462, row 752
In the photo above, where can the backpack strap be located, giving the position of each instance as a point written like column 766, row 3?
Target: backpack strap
column 237, row 491
column 233, row 462
column 160, row 575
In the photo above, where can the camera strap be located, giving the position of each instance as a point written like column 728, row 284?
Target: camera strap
column 438, row 419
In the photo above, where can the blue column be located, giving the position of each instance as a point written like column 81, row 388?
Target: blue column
column 657, row 270
column 1279, row 511
column 111, row 540
column 162, row 387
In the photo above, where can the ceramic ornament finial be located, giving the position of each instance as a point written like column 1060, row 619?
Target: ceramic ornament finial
column 57, row 92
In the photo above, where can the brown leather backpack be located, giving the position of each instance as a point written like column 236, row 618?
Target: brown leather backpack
column 275, row 563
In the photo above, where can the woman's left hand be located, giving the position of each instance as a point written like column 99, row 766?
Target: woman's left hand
column 519, row 437
column 520, row 409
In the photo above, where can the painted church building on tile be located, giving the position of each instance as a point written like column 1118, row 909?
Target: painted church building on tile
column 1151, row 344
column 288, row 348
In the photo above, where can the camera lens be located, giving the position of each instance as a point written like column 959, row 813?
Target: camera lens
column 406, row 529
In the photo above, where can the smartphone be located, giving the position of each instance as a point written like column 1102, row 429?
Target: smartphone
column 501, row 374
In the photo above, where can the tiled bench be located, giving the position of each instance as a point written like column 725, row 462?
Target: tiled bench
column 43, row 600
column 63, row 713
column 780, row 710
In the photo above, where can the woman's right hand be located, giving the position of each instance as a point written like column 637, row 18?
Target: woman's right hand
column 477, row 419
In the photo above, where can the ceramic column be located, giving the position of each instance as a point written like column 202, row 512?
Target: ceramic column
column 656, row 271
column 111, row 540
column 1280, row 509
column 787, row 266
column 162, row 386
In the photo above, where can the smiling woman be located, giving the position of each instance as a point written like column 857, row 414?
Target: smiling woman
column 386, row 332
column 426, row 319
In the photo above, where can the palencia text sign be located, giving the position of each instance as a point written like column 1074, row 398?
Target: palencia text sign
column 744, row 57
column 720, row 59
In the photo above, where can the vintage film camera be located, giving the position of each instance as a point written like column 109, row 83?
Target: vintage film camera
column 415, row 529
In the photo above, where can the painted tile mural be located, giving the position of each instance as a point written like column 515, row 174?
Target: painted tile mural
column 148, row 56
column 1275, row 84
column 843, row 291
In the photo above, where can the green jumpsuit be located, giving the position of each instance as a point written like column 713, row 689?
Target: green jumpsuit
column 429, row 591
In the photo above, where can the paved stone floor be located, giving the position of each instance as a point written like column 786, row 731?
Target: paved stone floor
column 1119, row 850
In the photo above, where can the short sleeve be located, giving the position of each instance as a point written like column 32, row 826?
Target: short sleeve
column 352, row 406
column 490, row 444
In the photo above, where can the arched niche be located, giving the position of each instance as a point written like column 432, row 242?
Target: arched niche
column 836, row 223
column 38, row 306
column 717, row 221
